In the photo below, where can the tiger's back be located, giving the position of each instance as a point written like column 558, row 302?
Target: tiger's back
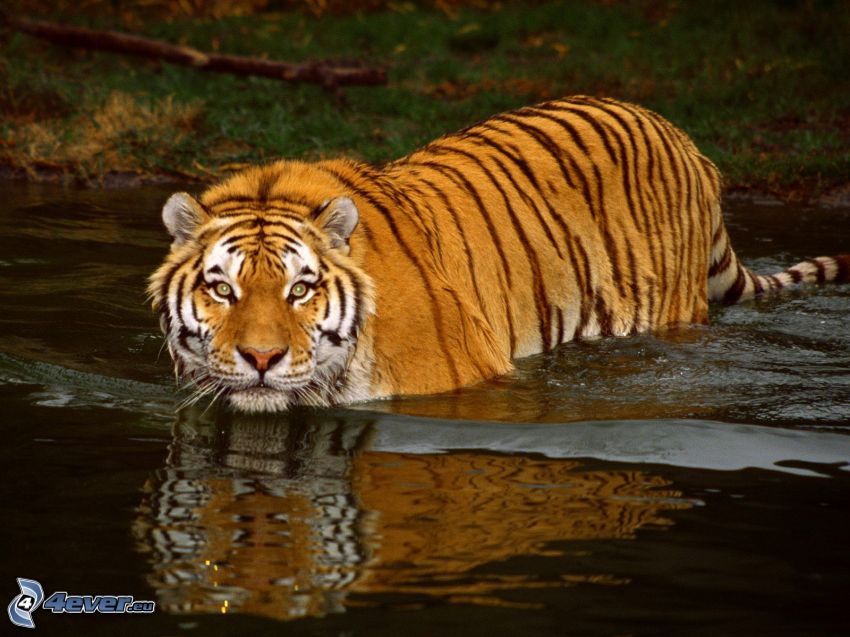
column 595, row 215
column 570, row 219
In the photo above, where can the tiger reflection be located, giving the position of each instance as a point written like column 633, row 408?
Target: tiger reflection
column 290, row 517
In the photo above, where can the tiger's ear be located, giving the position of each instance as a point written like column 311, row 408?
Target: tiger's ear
column 338, row 218
column 182, row 214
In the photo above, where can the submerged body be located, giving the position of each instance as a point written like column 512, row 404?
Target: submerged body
column 330, row 282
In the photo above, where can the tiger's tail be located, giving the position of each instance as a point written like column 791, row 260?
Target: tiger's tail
column 730, row 282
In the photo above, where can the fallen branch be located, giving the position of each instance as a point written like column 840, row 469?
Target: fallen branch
column 326, row 73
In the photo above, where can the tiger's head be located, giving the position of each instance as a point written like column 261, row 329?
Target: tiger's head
column 262, row 305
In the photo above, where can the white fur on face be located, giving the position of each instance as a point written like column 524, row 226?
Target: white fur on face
column 318, row 376
column 230, row 263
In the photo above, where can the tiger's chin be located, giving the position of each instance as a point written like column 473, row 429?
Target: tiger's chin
column 261, row 399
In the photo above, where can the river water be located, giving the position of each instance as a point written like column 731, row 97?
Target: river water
column 694, row 483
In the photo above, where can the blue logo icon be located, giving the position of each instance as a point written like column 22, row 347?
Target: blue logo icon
column 31, row 598
column 23, row 605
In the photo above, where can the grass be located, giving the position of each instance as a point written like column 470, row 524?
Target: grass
column 762, row 87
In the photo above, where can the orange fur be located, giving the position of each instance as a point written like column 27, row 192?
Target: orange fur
column 571, row 219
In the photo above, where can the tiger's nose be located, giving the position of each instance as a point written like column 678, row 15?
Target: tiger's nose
column 264, row 360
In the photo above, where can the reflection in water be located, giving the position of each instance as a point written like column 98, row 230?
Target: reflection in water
column 308, row 516
column 290, row 517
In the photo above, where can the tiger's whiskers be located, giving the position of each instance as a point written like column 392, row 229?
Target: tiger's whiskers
column 202, row 387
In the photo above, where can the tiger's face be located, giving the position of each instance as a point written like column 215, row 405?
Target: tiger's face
column 262, row 306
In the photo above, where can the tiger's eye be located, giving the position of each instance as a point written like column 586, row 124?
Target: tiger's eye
column 298, row 290
column 223, row 289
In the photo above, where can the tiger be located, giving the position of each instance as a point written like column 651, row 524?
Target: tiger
column 338, row 281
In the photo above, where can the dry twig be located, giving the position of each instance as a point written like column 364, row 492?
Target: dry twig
column 329, row 74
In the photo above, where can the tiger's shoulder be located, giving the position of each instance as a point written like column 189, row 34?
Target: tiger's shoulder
column 569, row 219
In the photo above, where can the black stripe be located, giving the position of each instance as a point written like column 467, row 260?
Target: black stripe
column 268, row 223
column 466, row 249
column 460, row 180
column 653, row 219
column 511, row 331
column 580, row 143
column 702, row 206
column 666, row 228
column 372, row 177
column 163, row 295
column 183, row 335
column 567, row 235
column 178, row 318
column 720, row 266
column 610, row 244
column 635, row 287
column 380, row 208
column 600, row 217
column 583, row 282
column 650, row 285
column 251, row 221
column 587, row 290
column 629, row 189
column 199, row 281
column 520, row 191
column 482, row 372
column 413, row 209
column 228, row 198
column 568, row 238
column 415, row 212
column 541, row 301
column 796, row 275
column 758, row 288
column 258, row 235
column 532, row 178
column 717, row 236
column 559, row 321
column 734, row 292
column 267, row 209
column 333, row 337
column 587, row 117
column 436, row 249
column 514, row 154
column 357, row 319
column 408, row 252
column 354, row 279
column 543, row 140
column 604, row 317
column 320, row 209
column 340, row 290
column 711, row 170
column 280, row 201
column 675, row 220
column 821, row 275
column 627, row 178
column 693, row 222
column 568, row 128
column 266, row 184
column 843, row 263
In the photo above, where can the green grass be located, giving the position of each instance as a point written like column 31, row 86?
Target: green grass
column 762, row 87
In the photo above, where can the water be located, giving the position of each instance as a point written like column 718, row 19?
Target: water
column 693, row 483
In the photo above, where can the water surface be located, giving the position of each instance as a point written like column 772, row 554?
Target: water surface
column 693, row 482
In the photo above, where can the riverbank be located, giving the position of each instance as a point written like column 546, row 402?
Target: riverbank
column 761, row 88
